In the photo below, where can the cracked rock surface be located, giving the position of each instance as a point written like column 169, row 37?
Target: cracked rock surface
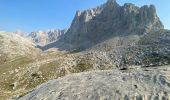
column 134, row 84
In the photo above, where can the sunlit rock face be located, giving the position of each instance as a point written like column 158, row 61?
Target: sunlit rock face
column 46, row 37
column 106, row 85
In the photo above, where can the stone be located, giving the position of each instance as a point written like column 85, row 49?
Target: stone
column 102, row 85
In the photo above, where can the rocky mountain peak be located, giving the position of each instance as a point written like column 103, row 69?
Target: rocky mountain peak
column 111, row 19
column 112, row 3
column 130, row 7
column 78, row 13
column 93, row 26
column 46, row 37
column 20, row 33
column 149, row 13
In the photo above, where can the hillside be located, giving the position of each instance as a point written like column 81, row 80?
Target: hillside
column 23, row 66
column 13, row 46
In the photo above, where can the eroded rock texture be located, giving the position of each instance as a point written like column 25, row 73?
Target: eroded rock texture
column 141, row 84
column 109, row 20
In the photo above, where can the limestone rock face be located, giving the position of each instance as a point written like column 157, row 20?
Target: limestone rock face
column 46, row 37
column 139, row 84
column 95, row 25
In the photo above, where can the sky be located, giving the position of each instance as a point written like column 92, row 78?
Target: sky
column 34, row 15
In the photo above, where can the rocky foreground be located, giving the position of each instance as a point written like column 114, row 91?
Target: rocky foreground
column 134, row 84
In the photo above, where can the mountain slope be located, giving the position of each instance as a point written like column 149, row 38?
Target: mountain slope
column 13, row 45
column 23, row 66
column 15, row 53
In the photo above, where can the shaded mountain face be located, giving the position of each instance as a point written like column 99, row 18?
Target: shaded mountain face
column 95, row 25
column 46, row 37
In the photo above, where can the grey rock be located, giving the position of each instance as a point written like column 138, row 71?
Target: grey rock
column 45, row 37
column 105, row 85
column 95, row 25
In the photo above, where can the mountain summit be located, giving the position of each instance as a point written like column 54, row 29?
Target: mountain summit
column 46, row 37
column 109, row 20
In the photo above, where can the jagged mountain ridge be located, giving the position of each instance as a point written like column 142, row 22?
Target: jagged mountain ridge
column 45, row 37
column 96, row 25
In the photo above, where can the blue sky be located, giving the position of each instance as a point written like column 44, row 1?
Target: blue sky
column 33, row 15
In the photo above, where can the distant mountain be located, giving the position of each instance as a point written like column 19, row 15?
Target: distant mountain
column 45, row 37
column 20, row 33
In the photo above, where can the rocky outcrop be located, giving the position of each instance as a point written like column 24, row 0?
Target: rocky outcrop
column 95, row 25
column 46, row 37
column 139, row 84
